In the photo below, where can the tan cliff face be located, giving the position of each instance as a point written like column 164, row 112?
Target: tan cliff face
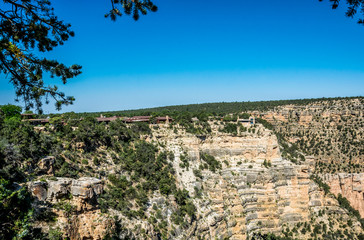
column 350, row 186
column 246, row 196
column 75, row 206
column 256, row 190
column 332, row 132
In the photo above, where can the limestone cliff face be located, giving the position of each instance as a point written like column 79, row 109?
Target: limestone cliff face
column 74, row 202
column 350, row 186
column 246, row 199
column 256, row 190
column 247, row 194
column 82, row 191
column 332, row 132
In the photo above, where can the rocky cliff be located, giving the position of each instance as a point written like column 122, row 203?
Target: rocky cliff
column 73, row 203
column 350, row 186
column 255, row 191
column 252, row 190
column 332, row 133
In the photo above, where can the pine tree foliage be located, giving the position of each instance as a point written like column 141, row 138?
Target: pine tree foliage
column 26, row 27
column 29, row 28
column 354, row 6
column 131, row 7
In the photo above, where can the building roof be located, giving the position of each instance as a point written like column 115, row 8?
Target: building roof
column 164, row 118
column 42, row 120
column 28, row 114
column 141, row 117
column 137, row 119
column 106, row 119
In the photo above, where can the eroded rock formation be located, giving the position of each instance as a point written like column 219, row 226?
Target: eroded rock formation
column 75, row 205
column 350, row 186
column 256, row 190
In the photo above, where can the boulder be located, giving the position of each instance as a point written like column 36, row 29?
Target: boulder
column 58, row 189
column 83, row 191
column 86, row 188
column 39, row 190
column 46, row 164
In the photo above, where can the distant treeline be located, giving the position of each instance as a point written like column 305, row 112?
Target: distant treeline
column 215, row 109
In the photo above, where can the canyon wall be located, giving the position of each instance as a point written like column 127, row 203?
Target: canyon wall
column 350, row 186
column 255, row 190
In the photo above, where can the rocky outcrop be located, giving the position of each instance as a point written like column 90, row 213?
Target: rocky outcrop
column 82, row 219
column 332, row 131
column 83, row 191
column 39, row 190
column 88, row 225
column 45, row 165
column 248, row 195
column 251, row 197
column 350, row 186
column 244, row 196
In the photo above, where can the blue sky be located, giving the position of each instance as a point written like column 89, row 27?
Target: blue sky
column 208, row 51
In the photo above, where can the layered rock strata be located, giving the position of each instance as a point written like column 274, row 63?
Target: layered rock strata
column 75, row 205
column 245, row 196
column 350, row 186
column 255, row 191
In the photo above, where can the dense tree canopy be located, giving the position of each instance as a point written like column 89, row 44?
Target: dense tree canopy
column 9, row 111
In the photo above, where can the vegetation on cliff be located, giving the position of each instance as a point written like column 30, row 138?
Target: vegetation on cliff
column 140, row 173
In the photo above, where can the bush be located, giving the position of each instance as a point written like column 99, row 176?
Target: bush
column 141, row 128
column 96, row 161
column 15, row 211
column 55, row 234
column 321, row 184
column 197, row 173
column 184, row 161
column 230, row 128
column 213, row 164
column 146, row 166
column 267, row 163
column 344, row 203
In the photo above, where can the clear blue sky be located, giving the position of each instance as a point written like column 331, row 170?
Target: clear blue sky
column 208, row 51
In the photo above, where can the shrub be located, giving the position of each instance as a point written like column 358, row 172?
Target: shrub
column 96, row 161
column 197, row 173
column 230, row 128
column 213, row 164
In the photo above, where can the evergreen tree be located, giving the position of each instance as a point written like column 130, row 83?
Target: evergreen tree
column 131, row 7
column 353, row 7
column 28, row 27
